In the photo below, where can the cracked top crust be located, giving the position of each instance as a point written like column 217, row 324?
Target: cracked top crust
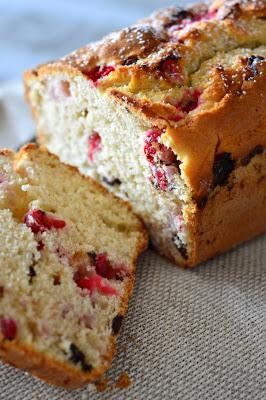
column 198, row 74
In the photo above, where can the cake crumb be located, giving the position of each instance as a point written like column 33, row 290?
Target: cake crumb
column 102, row 384
column 123, row 381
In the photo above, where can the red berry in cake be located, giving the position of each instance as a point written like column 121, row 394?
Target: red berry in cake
column 94, row 145
column 170, row 70
column 8, row 328
column 98, row 72
column 190, row 101
column 185, row 18
column 162, row 160
column 156, row 151
column 193, row 101
column 40, row 221
column 105, row 269
column 159, row 178
column 40, row 245
column 96, row 282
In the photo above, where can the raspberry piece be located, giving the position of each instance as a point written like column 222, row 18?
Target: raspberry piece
column 170, row 70
column 189, row 101
column 163, row 162
column 95, row 282
column 187, row 18
column 151, row 144
column 40, row 221
column 8, row 327
column 105, row 269
column 40, row 245
column 98, row 72
column 159, row 179
column 155, row 151
column 193, row 102
column 176, row 117
column 94, row 145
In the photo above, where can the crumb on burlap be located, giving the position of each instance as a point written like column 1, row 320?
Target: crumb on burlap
column 102, row 384
column 123, row 381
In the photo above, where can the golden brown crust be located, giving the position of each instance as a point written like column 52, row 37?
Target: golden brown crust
column 233, row 214
column 236, row 125
column 53, row 371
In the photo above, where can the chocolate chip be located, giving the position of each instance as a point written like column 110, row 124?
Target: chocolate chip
column 31, row 274
column 130, row 60
column 177, row 16
column 92, row 257
column 113, row 182
column 116, row 324
column 57, row 280
column 222, row 167
column 77, row 357
column 181, row 247
column 183, row 251
column 257, row 150
column 182, row 14
column 1, row 291
column 201, row 201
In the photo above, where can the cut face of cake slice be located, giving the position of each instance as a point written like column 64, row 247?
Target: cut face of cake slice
column 169, row 114
column 68, row 250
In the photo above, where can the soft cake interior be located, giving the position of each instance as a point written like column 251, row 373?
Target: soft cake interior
column 67, row 259
column 87, row 127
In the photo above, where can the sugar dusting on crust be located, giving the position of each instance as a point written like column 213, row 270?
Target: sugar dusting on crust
column 150, row 64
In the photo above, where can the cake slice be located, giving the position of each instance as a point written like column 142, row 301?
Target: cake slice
column 68, row 251
column 170, row 114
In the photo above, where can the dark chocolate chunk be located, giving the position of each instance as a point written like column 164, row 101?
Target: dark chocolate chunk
column 183, row 251
column 1, row 291
column 130, row 60
column 77, row 357
column 222, row 167
column 181, row 247
column 92, row 256
column 116, row 324
column 31, row 274
column 112, row 182
column 201, row 201
column 57, row 280
column 257, row 150
column 182, row 14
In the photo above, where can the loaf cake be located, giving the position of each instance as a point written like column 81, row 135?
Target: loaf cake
column 67, row 266
column 170, row 114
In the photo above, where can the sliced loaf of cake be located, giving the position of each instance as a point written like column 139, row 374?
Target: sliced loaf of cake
column 170, row 114
column 68, row 250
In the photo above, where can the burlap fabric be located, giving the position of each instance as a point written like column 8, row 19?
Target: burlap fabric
column 189, row 334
